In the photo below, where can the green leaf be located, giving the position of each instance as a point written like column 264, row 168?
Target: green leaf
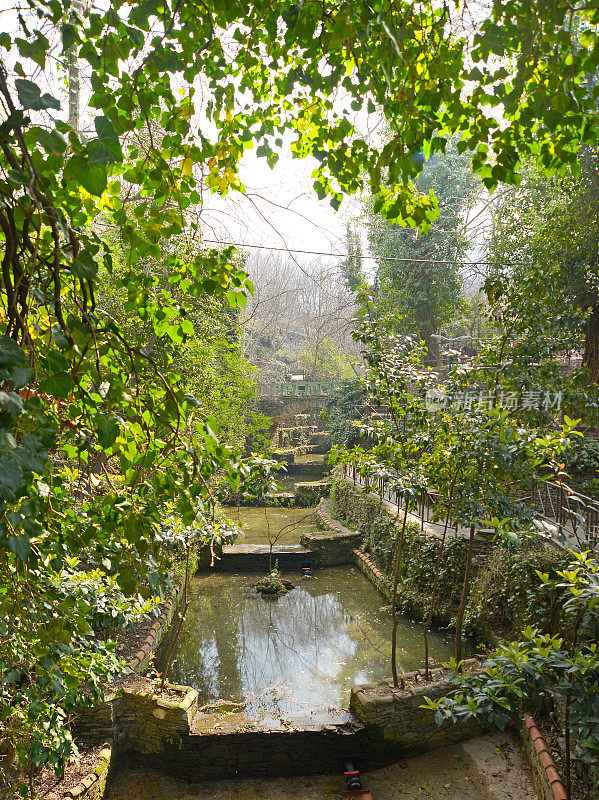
column 93, row 178
column 107, row 429
column 108, row 136
column 11, row 402
column 31, row 97
column 35, row 50
column 85, row 266
column 21, row 376
column 52, row 141
column 58, row 385
column 587, row 38
column 57, row 362
column 10, row 352
column 20, row 546
column 70, row 35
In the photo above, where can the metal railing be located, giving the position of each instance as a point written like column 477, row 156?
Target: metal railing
column 577, row 515
column 574, row 512
column 302, row 389
column 430, row 506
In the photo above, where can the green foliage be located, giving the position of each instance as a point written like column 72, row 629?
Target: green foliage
column 543, row 286
column 582, row 458
column 424, row 289
column 99, row 434
column 352, row 267
column 508, row 594
column 540, row 667
column 337, row 413
column 326, row 361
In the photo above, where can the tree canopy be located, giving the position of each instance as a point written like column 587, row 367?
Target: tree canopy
column 99, row 435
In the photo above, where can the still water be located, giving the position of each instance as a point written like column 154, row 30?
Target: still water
column 310, row 458
column 291, row 660
column 283, row 525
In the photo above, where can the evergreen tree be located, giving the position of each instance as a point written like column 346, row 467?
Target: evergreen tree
column 424, row 284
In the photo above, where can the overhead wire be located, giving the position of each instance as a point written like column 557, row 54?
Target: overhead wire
column 354, row 255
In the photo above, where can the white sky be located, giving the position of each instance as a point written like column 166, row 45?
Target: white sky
column 279, row 209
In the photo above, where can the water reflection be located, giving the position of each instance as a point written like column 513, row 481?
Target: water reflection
column 294, row 658
column 285, row 525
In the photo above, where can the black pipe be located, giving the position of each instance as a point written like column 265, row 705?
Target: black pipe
column 352, row 777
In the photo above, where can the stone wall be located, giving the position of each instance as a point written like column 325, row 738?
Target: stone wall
column 97, row 720
column 149, row 724
column 256, row 558
column 368, row 566
column 297, row 435
column 336, row 545
column 397, row 726
column 93, row 786
column 389, row 725
column 309, row 493
column 261, row 754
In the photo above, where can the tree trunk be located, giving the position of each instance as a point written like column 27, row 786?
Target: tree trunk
column 590, row 358
column 182, row 615
column 429, row 618
column 398, row 553
column 464, row 598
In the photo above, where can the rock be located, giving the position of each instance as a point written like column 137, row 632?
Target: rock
column 273, row 585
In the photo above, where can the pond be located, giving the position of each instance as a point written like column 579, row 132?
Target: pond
column 310, row 458
column 285, row 525
column 290, row 661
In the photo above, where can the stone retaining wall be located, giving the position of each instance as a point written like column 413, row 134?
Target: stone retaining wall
column 309, row 493
column 157, row 632
column 149, row 724
column 335, row 546
column 260, row 754
column 98, row 720
column 160, row 733
column 256, row 558
column 389, row 725
column 397, row 726
column 368, row 566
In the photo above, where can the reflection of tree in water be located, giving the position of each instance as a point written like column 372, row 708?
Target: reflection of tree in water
column 310, row 645
column 260, row 523
column 207, row 653
column 298, row 642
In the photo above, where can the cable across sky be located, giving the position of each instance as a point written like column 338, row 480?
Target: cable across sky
column 351, row 255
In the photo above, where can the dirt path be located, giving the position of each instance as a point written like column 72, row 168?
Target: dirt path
column 488, row 768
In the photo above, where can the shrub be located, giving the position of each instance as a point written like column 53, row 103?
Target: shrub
column 506, row 595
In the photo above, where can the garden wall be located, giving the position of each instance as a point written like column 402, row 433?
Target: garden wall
column 397, row 726
column 333, row 546
column 390, row 725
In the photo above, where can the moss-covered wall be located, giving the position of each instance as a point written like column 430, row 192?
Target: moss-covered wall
column 396, row 724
